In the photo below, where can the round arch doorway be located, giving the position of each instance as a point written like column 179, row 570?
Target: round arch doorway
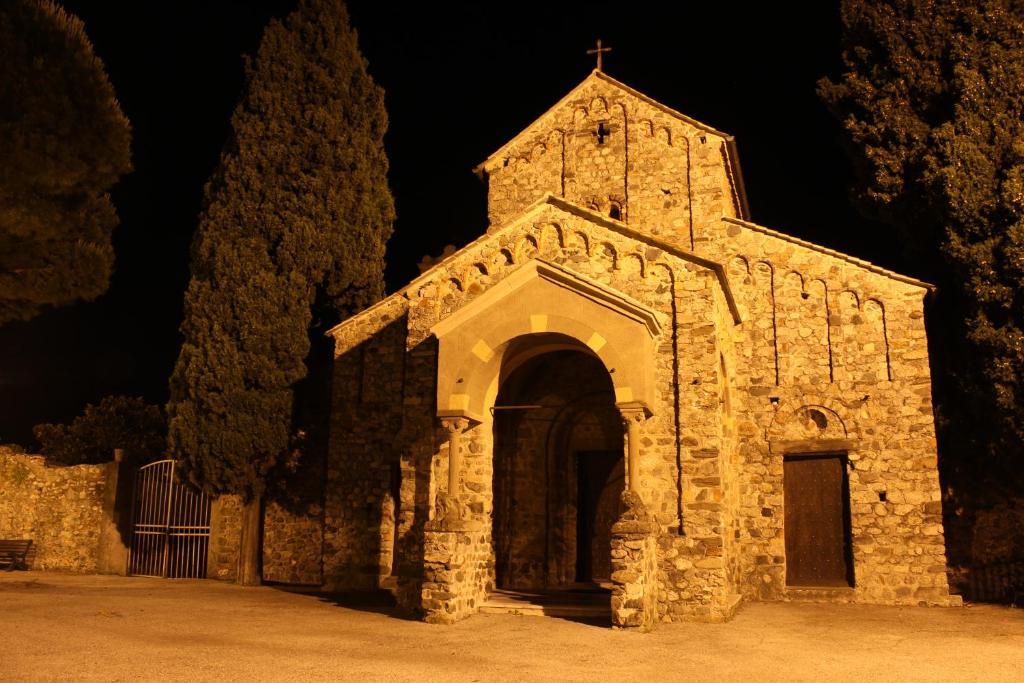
column 558, row 472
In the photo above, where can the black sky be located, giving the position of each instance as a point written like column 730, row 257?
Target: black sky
column 461, row 79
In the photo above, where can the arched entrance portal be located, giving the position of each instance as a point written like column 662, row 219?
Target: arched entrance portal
column 558, row 470
column 551, row 363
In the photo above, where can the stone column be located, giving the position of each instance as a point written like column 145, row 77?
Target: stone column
column 633, row 415
column 454, row 426
column 634, row 539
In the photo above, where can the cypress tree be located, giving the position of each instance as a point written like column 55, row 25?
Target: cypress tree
column 298, row 207
column 933, row 111
column 64, row 142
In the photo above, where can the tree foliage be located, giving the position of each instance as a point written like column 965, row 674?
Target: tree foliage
column 932, row 103
column 298, row 207
column 64, row 142
column 117, row 422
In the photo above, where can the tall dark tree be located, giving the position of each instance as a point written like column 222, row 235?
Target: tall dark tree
column 298, row 209
column 64, row 142
column 932, row 104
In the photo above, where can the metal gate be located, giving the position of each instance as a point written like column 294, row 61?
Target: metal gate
column 171, row 530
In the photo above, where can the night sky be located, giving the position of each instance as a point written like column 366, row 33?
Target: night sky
column 461, row 79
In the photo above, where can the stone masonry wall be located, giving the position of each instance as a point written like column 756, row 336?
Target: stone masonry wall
column 59, row 508
column 292, row 544
column 831, row 355
column 364, row 451
column 607, row 150
column 826, row 334
column 675, row 289
column 695, row 580
column 817, row 326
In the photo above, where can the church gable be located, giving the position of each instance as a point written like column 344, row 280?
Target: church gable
column 615, row 151
column 567, row 236
column 553, row 230
column 817, row 316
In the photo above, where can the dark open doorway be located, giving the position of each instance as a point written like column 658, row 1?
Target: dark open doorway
column 558, row 453
column 599, row 485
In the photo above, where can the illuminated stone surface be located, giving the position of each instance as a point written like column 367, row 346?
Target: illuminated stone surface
column 619, row 232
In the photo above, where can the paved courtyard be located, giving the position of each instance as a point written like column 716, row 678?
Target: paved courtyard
column 60, row 626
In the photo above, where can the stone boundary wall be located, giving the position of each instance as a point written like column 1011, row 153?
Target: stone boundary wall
column 292, row 543
column 62, row 509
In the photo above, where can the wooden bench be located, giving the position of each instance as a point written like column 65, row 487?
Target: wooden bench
column 13, row 554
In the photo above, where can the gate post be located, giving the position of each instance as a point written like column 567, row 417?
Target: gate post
column 225, row 538
column 112, row 553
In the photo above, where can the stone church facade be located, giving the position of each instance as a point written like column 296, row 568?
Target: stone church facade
column 626, row 383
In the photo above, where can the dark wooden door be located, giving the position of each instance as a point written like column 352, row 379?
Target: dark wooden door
column 599, row 478
column 817, row 521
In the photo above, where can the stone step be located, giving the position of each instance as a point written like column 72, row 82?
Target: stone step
column 548, row 604
column 820, row 594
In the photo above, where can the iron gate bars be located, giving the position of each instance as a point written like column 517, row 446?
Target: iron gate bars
column 171, row 529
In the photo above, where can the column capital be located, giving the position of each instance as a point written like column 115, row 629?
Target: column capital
column 455, row 424
column 633, row 412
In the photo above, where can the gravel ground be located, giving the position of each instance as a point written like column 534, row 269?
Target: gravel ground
column 61, row 626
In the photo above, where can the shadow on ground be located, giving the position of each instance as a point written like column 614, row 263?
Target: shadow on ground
column 374, row 602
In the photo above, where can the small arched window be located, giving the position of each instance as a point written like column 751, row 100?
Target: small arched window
column 615, row 212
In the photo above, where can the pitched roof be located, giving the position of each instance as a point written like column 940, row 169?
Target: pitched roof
column 732, row 153
column 568, row 207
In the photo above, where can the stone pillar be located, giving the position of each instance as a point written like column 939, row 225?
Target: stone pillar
column 225, row 538
column 116, row 532
column 633, row 415
column 454, row 426
column 456, row 548
column 455, row 555
column 634, row 567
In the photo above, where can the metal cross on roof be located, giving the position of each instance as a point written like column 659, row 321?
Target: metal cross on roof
column 599, row 50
